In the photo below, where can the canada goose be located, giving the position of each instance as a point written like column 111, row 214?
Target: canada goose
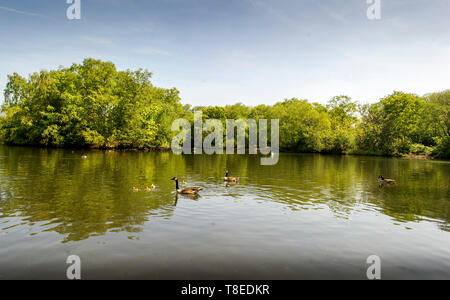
column 183, row 183
column 135, row 189
column 151, row 188
column 189, row 190
column 381, row 180
column 230, row 179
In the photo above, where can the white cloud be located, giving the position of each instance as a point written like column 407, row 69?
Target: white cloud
column 337, row 16
column 98, row 40
column 26, row 13
column 277, row 13
column 151, row 51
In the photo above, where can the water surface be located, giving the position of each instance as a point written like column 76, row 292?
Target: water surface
column 310, row 216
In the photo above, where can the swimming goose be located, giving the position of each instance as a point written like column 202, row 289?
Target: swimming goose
column 151, row 188
column 381, row 180
column 135, row 189
column 189, row 190
column 230, row 179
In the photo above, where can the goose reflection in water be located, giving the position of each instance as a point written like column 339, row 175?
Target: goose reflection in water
column 194, row 197
column 231, row 184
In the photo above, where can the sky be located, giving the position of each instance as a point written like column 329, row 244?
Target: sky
column 219, row 52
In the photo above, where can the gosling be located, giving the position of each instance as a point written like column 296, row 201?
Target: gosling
column 151, row 188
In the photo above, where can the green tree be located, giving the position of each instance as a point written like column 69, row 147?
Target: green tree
column 342, row 112
column 89, row 104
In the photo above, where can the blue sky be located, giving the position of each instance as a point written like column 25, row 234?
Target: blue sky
column 219, row 52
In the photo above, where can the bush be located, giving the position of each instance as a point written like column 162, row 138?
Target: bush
column 442, row 149
column 420, row 149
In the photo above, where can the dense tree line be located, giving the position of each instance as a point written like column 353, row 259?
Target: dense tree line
column 93, row 104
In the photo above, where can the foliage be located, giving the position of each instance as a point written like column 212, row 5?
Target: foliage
column 442, row 149
column 420, row 149
column 399, row 121
column 93, row 104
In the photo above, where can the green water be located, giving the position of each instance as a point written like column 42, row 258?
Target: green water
column 310, row 216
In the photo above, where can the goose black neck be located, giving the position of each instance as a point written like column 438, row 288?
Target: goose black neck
column 176, row 182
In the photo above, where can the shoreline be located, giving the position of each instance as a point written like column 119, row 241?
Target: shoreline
column 410, row 156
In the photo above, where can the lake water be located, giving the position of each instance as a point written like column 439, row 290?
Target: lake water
column 309, row 217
